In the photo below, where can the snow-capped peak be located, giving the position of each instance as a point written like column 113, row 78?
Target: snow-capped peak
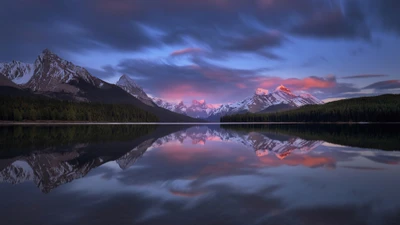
column 198, row 108
column 54, row 74
column 283, row 88
column 198, row 102
column 261, row 91
column 311, row 97
column 129, row 85
column 18, row 72
column 125, row 80
column 47, row 52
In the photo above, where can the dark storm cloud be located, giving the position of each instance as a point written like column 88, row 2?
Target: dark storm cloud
column 239, row 25
column 362, row 76
column 34, row 25
column 340, row 22
column 253, row 43
column 196, row 81
column 387, row 14
column 200, row 80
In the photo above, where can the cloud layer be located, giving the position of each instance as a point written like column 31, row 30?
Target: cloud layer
column 198, row 48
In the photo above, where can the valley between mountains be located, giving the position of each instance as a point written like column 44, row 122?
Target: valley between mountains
column 52, row 77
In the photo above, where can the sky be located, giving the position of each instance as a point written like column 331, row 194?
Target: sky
column 217, row 50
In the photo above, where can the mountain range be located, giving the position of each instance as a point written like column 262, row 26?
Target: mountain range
column 54, row 77
column 262, row 101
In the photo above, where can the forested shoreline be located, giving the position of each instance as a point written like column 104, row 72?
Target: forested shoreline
column 21, row 108
column 384, row 108
column 375, row 136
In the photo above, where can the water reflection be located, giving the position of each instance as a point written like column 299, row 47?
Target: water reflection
column 199, row 175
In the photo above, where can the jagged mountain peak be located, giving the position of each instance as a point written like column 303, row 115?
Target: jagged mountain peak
column 306, row 95
column 198, row 102
column 129, row 85
column 47, row 51
column 198, row 108
column 127, row 80
column 49, row 55
column 54, row 74
column 261, row 91
column 283, row 88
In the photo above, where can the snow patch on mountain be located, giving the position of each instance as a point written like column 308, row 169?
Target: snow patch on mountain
column 18, row 72
column 53, row 74
column 261, row 91
column 198, row 108
column 262, row 99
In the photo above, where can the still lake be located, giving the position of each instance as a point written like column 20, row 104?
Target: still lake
column 200, row 174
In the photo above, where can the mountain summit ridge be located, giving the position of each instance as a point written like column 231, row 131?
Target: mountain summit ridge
column 129, row 85
column 261, row 100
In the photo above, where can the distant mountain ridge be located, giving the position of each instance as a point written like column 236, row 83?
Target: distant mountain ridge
column 198, row 108
column 383, row 108
column 280, row 99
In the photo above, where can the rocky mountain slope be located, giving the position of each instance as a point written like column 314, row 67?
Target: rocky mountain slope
column 129, row 85
column 57, row 78
column 17, row 72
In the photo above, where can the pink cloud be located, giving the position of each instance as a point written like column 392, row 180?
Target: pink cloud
column 297, row 84
column 181, row 91
column 186, row 51
column 241, row 85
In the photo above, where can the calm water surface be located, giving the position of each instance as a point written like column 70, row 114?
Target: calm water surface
column 258, row 174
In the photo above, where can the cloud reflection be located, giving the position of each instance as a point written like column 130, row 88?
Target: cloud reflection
column 213, row 175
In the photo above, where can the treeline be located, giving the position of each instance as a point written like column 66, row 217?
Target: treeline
column 40, row 108
column 374, row 136
column 16, row 140
column 384, row 108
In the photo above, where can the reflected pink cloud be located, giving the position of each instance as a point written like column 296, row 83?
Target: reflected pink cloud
column 306, row 160
column 221, row 169
column 190, row 153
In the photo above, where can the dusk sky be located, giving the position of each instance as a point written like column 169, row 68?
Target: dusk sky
column 217, row 50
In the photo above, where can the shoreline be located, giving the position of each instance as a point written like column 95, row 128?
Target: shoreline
column 5, row 123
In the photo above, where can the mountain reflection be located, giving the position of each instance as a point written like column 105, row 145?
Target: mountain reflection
column 218, row 175
column 49, row 168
